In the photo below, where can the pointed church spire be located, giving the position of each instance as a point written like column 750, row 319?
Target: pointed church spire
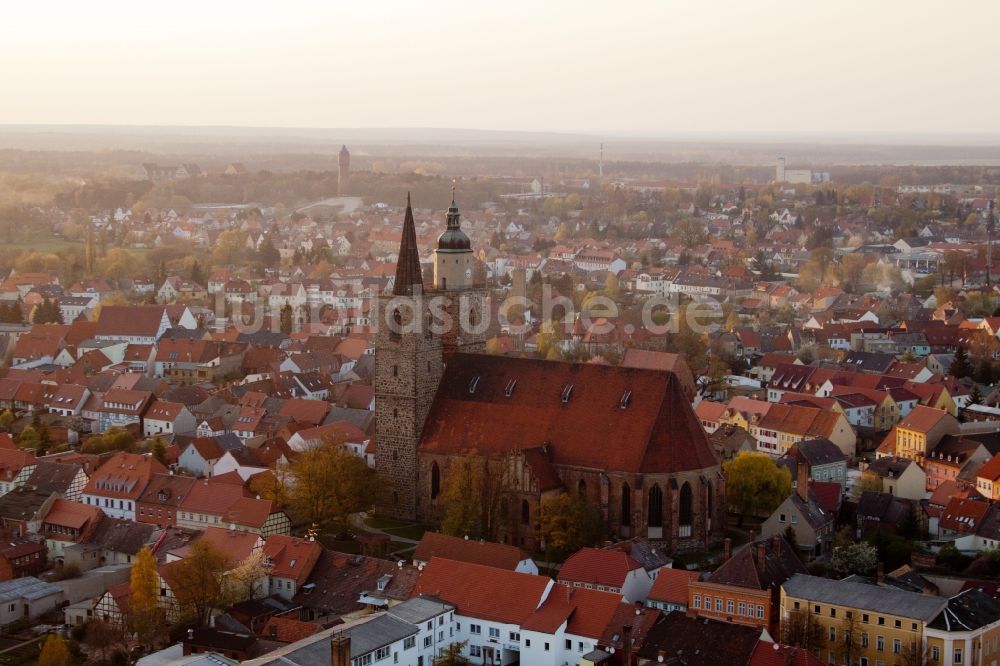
column 408, row 279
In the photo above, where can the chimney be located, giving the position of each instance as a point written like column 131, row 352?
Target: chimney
column 340, row 650
column 802, row 483
column 880, row 573
column 728, row 549
column 627, row 643
column 776, row 544
column 761, row 555
column 752, row 537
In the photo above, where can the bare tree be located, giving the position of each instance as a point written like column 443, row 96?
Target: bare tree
column 802, row 630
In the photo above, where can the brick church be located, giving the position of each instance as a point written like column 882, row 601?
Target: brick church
column 626, row 439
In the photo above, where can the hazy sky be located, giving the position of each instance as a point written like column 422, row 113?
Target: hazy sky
column 641, row 67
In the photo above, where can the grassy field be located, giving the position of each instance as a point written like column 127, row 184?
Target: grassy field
column 396, row 528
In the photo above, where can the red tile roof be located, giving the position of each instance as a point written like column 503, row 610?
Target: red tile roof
column 671, row 586
column 291, row 557
column 587, row 612
column 486, row 404
column 598, row 567
column 774, row 654
column 434, row 544
column 483, row 592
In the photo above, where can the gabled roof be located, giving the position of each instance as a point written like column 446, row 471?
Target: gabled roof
column 130, row 320
column 483, row 592
column 744, row 568
column 864, row 596
column 487, row 404
column 922, row 418
column 671, row 586
column 487, row 553
column 291, row 557
column 586, row 612
column 598, row 567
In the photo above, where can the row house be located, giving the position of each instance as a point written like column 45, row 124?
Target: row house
column 227, row 505
column 67, row 399
column 289, row 561
column 745, row 588
column 16, row 467
column 116, row 486
column 168, row 418
column 159, row 502
column 503, row 616
column 783, row 425
column 121, row 408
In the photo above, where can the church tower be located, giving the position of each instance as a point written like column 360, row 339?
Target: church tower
column 408, row 369
column 343, row 171
column 459, row 285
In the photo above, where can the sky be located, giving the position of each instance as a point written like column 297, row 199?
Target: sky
column 655, row 68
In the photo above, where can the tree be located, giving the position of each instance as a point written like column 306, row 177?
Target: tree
column 145, row 615
column 330, row 483
column 860, row 558
column 230, row 247
column 6, row 419
column 568, row 523
column 198, row 583
column 451, row 655
column 197, row 276
column 960, row 364
column 101, row 637
column 755, row 485
column 868, row 482
column 460, row 497
column 286, row 318
column 159, row 450
column 245, row 580
column 802, row 630
column 975, row 396
column 55, row 652
column 849, row 639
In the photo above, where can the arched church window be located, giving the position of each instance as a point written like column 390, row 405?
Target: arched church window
column 626, row 505
column 581, row 489
column 525, row 512
column 686, row 505
column 435, row 480
column 655, row 510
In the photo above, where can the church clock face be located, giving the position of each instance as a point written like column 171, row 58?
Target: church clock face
column 468, row 273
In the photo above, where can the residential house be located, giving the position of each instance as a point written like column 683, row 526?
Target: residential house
column 606, row 571
column 920, row 431
column 891, row 621
column 745, row 588
column 476, row 551
column 290, row 561
column 670, row 590
column 116, row 485
column 900, row 477
column 121, row 408
column 159, row 501
column 824, row 460
column 168, row 418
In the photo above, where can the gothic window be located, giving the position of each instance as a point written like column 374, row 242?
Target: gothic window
column 395, row 413
column 395, row 371
column 435, row 480
column 686, row 508
column 581, row 489
column 626, row 505
column 655, row 511
column 525, row 512
column 708, row 495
